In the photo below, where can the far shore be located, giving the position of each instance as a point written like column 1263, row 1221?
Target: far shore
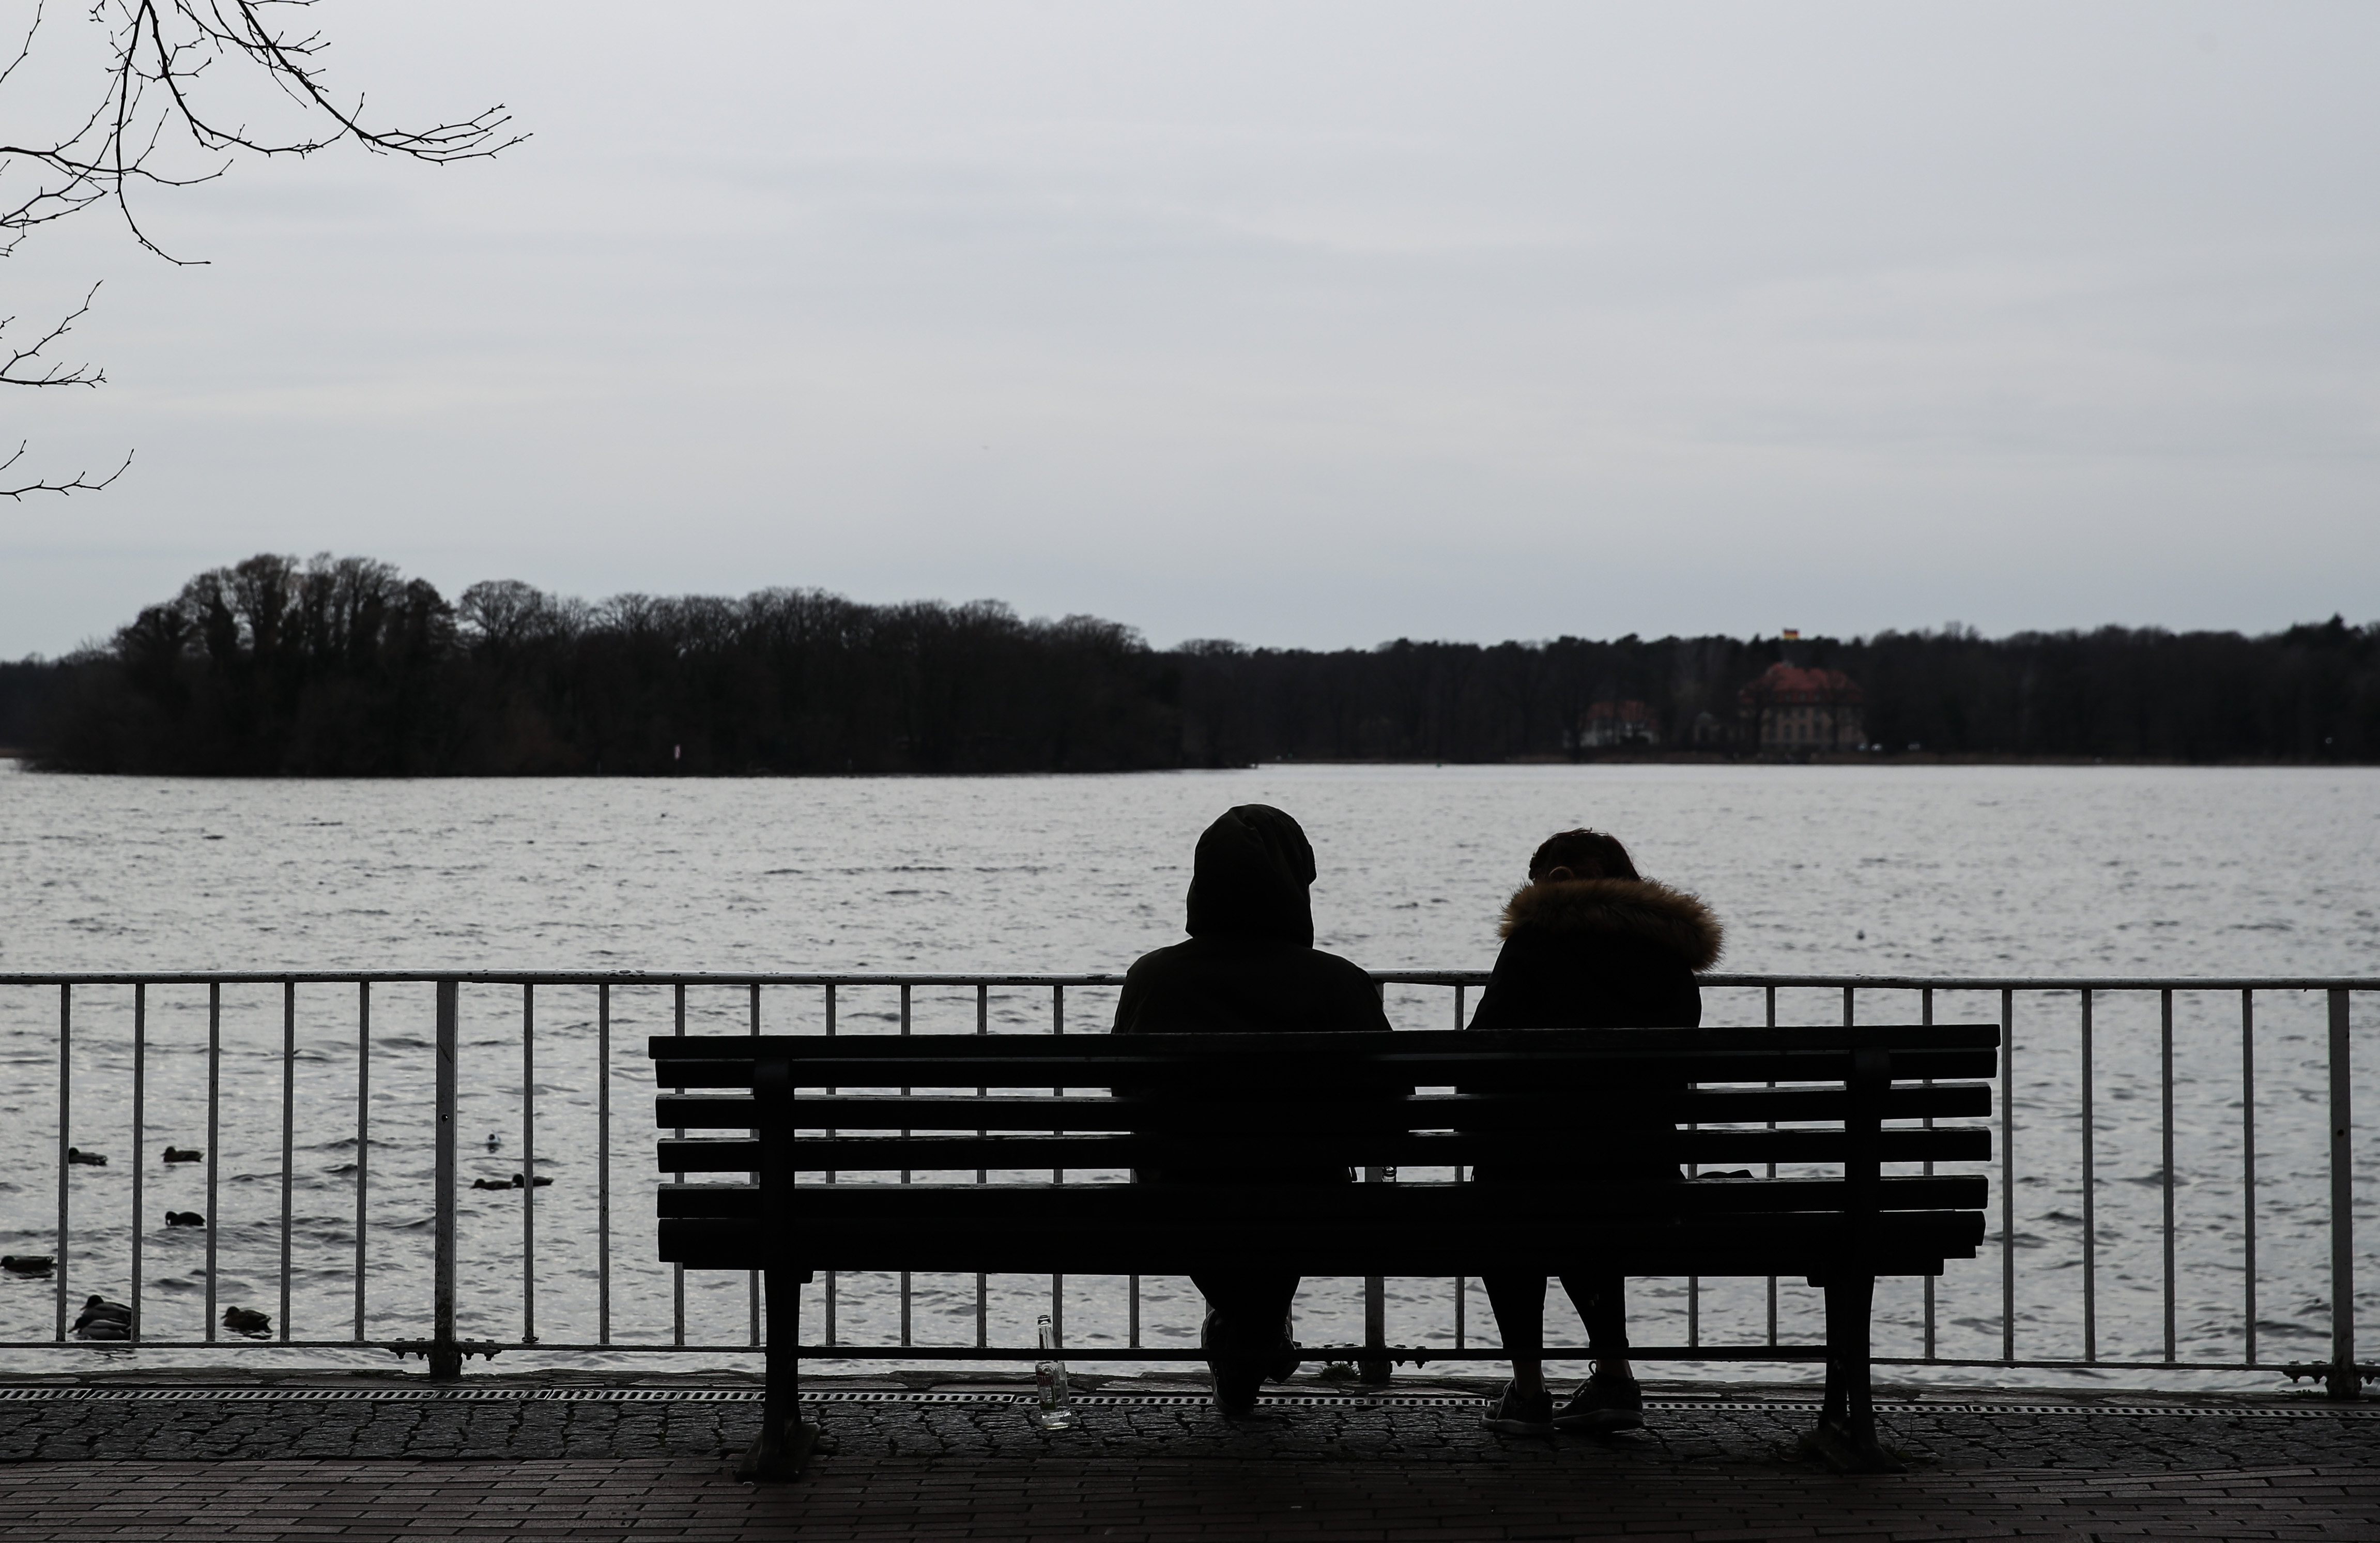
column 1605, row 758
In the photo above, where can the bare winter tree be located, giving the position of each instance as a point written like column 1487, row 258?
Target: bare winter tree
column 169, row 78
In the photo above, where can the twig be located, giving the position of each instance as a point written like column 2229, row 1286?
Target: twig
column 52, row 374
column 80, row 482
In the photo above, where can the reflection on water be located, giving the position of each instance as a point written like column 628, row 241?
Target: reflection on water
column 2031, row 870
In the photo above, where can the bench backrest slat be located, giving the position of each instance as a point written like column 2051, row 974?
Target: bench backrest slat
column 858, row 1154
column 1421, row 1111
column 1402, row 1045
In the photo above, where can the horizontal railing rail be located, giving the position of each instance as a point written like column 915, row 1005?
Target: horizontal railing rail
column 406, row 1088
column 1093, row 978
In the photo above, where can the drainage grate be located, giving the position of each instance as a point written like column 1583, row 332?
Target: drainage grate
column 395, row 1395
column 1944, row 1406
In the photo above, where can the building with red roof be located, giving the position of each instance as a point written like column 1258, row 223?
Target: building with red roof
column 1794, row 708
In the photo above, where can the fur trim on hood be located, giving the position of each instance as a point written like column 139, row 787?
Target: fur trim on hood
column 1634, row 908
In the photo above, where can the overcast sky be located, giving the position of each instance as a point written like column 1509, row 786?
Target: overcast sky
column 1298, row 323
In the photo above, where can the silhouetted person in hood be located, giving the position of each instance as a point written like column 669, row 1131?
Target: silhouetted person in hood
column 1589, row 943
column 1250, row 967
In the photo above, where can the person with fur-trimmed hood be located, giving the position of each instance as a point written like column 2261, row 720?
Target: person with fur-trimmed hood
column 1588, row 943
column 1249, row 967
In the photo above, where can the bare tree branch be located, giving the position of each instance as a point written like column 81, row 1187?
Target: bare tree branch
column 80, row 482
column 12, row 373
column 157, row 58
column 159, row 52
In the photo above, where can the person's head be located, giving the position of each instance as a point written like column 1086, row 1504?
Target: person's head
column 1582, row 853
column 1250, row 877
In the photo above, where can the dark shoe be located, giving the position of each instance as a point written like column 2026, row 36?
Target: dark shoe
column 1604, row 1403
column 1236, row 1385
column 1516, row 1413
column 1236, row 1376
column 1285, row 1358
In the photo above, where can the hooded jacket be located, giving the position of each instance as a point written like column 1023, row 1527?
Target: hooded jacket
column 1600, row 953
column 1250, row 965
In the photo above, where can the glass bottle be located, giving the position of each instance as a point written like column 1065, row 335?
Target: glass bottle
column 1057, row 1404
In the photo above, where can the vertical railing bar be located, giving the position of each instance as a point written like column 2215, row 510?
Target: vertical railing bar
column 65, row 1140
column 603, row 1164
column 445, row 1352
column 363, row 1140
column 529, row 1163
column 215, row 1140
column 2090, row 1199
column 1458, row 1004
column 1694, row 1282
column 1132, row 1326
column 1461, row 1289
column 139, row 1142
column 982, row 1175
column 2165, row 1082
column 678, row 1271
column 2008, row 1175
column 905, row 1278
column 2346, row 1378
column 288, row 1131
column 1926, row 1015
column 1770, row 1005
column 2248, row 1164
column 752, row 1278
column 1058, row 1175
column 830, row 1275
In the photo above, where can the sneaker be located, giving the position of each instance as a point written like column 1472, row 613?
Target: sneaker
column 1285, row 1359
column 1236, row 1377
column 1517, row 1413
column 1604, row 1403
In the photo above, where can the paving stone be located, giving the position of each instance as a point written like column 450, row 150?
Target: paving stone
column 196, row 1468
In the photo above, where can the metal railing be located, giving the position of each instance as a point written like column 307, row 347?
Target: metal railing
column 409, row 1091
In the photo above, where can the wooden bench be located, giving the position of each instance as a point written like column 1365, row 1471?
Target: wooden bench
column 1530, row 1099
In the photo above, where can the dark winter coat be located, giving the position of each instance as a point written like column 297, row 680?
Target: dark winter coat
column 1602, row 953
column 1250, row 967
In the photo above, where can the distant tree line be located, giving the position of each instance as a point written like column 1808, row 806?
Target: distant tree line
column 2308, row 694
column 345, row 667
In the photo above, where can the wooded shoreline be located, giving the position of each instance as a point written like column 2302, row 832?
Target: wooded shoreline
column 343, row 667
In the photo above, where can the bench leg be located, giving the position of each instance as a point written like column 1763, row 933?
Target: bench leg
column 783, row 1449
column 1846, row 1433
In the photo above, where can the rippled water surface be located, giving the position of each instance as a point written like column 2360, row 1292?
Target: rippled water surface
column 2022, row 871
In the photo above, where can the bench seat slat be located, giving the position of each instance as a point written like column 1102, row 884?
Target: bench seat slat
column 1507, row 1071
column 1401, row 1045
column 1791, row 1243
column 1405, row 1205
column 854, row 1154
column 1423, row 1111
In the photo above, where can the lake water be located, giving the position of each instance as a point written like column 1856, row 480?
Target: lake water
column 1937, row 871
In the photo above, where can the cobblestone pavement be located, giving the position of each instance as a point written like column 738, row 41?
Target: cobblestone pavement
column 269, row 1464
column 1740, row 1433
column 1064, row 1499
